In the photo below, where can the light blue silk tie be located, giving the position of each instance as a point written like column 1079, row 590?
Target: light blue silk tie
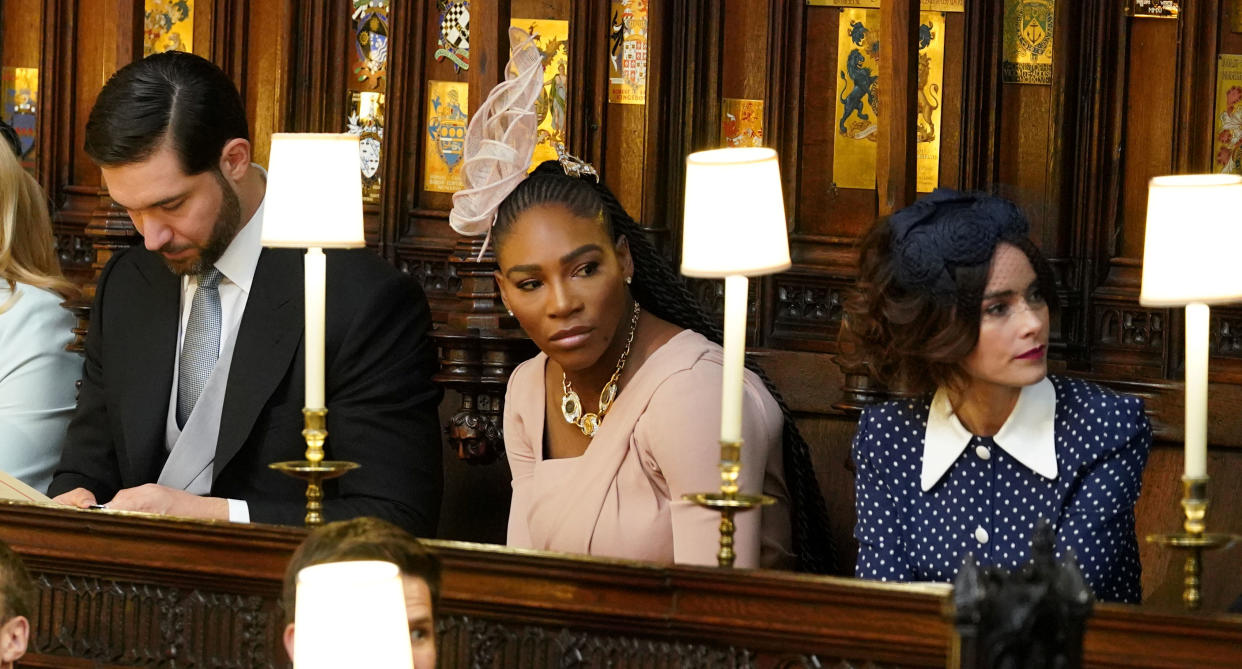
column 201, row 346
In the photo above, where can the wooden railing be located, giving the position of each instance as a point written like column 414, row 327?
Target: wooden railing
column 142, row 591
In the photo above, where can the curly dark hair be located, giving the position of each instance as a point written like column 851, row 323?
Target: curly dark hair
column 911, row 333
column 661, row 290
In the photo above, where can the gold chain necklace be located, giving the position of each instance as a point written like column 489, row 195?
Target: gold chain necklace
column 571, row 405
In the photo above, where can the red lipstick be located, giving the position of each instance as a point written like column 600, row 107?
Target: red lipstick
column 1036, row 353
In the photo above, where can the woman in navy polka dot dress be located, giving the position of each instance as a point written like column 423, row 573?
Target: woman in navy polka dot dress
column 953, row 311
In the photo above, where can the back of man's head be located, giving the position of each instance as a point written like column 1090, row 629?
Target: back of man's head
column 362, row 539
column 173, row 96
column 17, row 598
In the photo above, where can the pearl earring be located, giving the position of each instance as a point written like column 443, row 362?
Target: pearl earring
column 629, row 280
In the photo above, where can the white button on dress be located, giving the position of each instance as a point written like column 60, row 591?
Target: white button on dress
column 983, row 452
column 981, row 535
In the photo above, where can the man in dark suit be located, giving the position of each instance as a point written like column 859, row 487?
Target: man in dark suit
column 193, row 379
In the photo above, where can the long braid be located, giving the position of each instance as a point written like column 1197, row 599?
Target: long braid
column 664, row 292
column 659, row 289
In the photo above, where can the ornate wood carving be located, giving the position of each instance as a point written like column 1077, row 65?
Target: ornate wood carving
column 808, row 307
column 1225, row 334
column 75, row 251
column 710, row 294
column 1033, row 617
column 144, row 591
column 433, row 270
column 1137, row 329
column 495, row 643
column 137, row 624
column 479, row 346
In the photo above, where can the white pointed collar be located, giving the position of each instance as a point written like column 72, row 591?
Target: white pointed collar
column 1027, row 434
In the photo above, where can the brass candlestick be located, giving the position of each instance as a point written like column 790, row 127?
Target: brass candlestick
column 1194, row 540
column 314, row 469
column 728, row 501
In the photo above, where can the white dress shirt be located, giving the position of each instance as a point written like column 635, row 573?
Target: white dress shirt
column 237, row 266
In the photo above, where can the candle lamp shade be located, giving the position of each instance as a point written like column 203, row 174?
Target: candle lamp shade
column 1190, row 259
column 351, row 614
column 1190, row 253
column 735, row 214
column 734, row 228
column 314, row 192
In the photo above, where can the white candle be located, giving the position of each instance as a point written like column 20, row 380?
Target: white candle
column 734, row 358
column 316, row 282
column 1197, row 318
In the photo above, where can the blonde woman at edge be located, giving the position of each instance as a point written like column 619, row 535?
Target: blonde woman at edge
column 37, row 374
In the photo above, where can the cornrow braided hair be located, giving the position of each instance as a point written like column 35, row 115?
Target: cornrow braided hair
column 661, row 290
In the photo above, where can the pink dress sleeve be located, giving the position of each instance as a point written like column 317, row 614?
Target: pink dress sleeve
column 518, row 447
column 680, row 432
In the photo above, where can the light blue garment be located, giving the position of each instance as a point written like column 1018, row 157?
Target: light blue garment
column 37, row 382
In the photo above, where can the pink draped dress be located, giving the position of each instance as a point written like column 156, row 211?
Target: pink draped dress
column 622, row 498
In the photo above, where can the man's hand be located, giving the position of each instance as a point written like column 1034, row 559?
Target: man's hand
column 79, row 497
column 155, row 498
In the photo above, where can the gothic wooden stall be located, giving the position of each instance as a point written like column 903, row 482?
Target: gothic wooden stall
column 121, row 591
column 1116, row 99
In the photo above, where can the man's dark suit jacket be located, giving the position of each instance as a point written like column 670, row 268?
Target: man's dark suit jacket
column 382, row 404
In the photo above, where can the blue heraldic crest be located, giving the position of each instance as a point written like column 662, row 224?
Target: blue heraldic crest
column 447, row 128
column 371, row 43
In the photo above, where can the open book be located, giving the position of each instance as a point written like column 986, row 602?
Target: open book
column 11, row 488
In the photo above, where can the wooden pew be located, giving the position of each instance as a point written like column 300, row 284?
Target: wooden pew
column 120, row 590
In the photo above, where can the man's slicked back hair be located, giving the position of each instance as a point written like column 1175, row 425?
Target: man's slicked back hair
column 176, row 95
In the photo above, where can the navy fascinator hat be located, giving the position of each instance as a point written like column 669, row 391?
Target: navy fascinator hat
column 946, row 230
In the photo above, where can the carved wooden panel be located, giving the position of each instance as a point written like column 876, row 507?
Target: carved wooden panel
column 808, row 309
column 142, row 591
column 484, row 644
column 1130, row 98
column 144, row 625
column 433, row 271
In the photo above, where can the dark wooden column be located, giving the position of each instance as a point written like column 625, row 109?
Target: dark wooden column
column 981, row 92
column 317, row 102
column 480, row 343
column 895, row 166
column 83, row 43
column 489, row 48
column 895, row 154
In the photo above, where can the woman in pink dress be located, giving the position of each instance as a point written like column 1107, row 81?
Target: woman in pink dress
column 619, row 414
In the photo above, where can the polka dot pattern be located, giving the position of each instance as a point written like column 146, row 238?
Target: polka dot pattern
column 987, row 503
